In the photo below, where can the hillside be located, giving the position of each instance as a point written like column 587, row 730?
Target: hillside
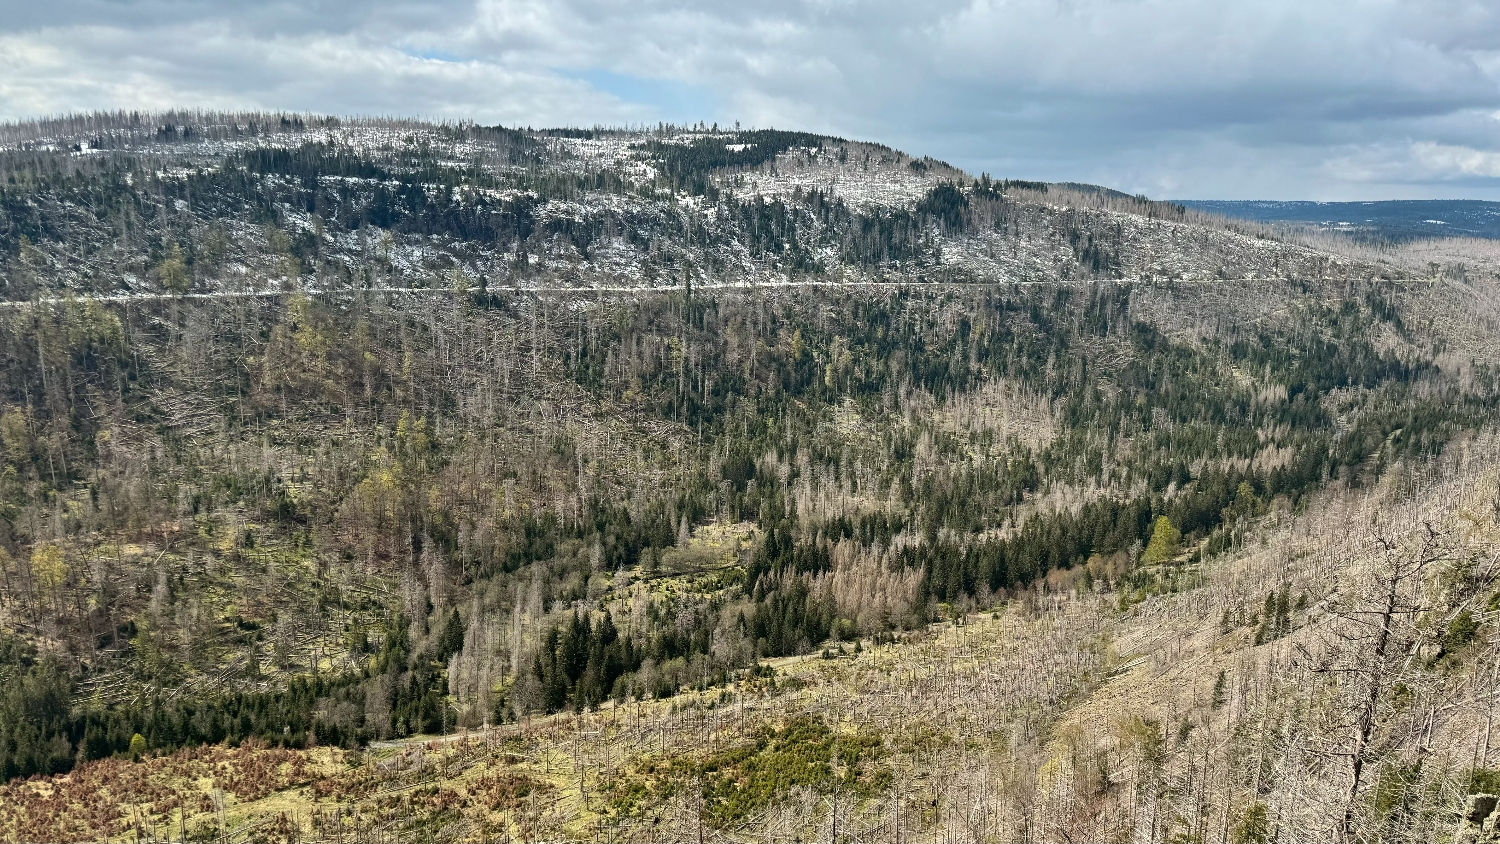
column 385, row 480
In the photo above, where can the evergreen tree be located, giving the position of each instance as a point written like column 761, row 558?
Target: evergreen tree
column 1163, row 546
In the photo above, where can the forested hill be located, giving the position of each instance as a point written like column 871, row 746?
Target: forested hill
column 1391, row 221
column 122, row 206
column 319, row 433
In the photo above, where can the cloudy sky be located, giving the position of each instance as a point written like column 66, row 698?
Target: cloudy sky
column 1278, row 99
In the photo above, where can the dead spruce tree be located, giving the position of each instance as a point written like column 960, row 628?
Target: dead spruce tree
column 1369, row 656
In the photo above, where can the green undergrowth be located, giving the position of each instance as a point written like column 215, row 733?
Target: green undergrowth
column 737, row 781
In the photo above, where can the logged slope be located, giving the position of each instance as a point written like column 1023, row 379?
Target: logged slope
column 319, row 436
column 262, row 205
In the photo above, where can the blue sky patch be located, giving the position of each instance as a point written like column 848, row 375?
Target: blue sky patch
column 433, row 55
column 668, row 99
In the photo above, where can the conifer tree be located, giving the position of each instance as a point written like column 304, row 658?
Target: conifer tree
column 1165, row 538
column 173, row 271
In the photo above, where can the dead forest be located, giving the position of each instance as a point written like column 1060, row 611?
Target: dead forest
column 378, row 482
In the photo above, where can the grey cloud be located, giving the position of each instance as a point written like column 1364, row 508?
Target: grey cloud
column 1279, row 98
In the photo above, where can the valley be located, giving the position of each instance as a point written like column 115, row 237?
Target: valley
column 382, row 480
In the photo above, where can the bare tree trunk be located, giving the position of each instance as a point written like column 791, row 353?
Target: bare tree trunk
column 1365, row 725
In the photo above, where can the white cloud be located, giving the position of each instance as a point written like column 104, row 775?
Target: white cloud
column 1455, row 161
column 208, row 64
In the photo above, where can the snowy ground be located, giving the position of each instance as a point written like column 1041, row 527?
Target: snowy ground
column 671, row 237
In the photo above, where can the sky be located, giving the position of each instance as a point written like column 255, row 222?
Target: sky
column 1205, row 99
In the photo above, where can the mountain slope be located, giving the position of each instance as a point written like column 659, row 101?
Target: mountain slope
column 320, row 436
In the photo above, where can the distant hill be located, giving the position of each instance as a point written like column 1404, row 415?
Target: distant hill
column 1402, row 219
